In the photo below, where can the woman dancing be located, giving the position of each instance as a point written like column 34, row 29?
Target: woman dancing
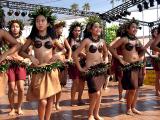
column 17, row 69
column 95, row 68
column 5, row 37
column 133, row 53
column 44, row 79
column 78, row 82
column 155, row 57
column 63, row 51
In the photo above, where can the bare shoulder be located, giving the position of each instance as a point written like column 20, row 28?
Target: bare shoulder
column 2, row 32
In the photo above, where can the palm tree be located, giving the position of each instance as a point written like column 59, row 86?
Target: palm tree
column 86, row 7
column 74, row 7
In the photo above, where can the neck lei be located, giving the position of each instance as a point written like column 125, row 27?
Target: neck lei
column 76, row 39
column 131, row 37
column 42, row 37
column 94, row 40
column 16, row 37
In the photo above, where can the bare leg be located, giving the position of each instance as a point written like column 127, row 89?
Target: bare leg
column 93, row 100
column 97, row 106
column 130, row 98
column 134, row 110
column 42, row 108
column 157, row 83
column 58, row 96
column 106, row 82
column 20, row 86
column 11, row 93
column 49, row 108
column 80, row 92
column 74, row 90
column 120, row 90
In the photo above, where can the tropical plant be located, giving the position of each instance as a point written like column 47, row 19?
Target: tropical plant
column 74, row 7
column 92, row 19
column 86, row 7
column 110, row 33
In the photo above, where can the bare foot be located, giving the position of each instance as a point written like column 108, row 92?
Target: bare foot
column 19, row 111
column 122, row 100
column 91, row 117
column 98, row 118
column 129, row 112
column 136, row 111
column 12, row 113
column 58, row 107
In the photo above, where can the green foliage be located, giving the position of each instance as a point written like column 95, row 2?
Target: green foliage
column 86, row 7
column 111, row 33
column 99, row 69
column 47, row 68
column 74, row 7
column 92, row 19
column 135, row 65
column 46, row 12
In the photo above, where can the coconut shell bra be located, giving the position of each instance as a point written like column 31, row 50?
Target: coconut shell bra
column 38, row 43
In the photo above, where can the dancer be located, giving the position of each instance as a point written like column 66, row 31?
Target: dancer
column 5, row 37
column 95, row 68
column 17, row 69
column 44, row 79
column 77, row 81
column 63, row 51
column 116, row 64
column 133, row 53
column 155, row 58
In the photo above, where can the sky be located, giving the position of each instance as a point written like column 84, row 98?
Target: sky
column 96, row 5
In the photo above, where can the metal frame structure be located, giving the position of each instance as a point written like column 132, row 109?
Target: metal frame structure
column 60, row 10
column 31, row 7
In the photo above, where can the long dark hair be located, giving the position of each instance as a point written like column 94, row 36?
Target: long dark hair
column 87, row 33
column 2, row 16
column 35, row 32
column 71, row 29
column 20, row 23
column 152, row 32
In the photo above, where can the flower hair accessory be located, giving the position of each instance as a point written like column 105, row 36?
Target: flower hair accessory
column 46, row 12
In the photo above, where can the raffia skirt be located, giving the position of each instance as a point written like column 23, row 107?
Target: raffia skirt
column 3, row 83
column 95, row 83
column 43, row 85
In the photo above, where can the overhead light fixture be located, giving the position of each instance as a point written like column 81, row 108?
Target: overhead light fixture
column 134, row 1
column 151, row 3
column 102, row 16
column 112, row 18
column 140, row 8
column 151, row 24
column 23, row 14
column 122, row 14
column 127, row 12
column 158, row 2
column 119, row 16
column 17, row 13
column 108, row 20
column 10, row 12
column 145, row 4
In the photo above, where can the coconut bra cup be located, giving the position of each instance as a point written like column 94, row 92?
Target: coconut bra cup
column 94, row 48
column 74, row 47
column 47, row 44
column 129, row 47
